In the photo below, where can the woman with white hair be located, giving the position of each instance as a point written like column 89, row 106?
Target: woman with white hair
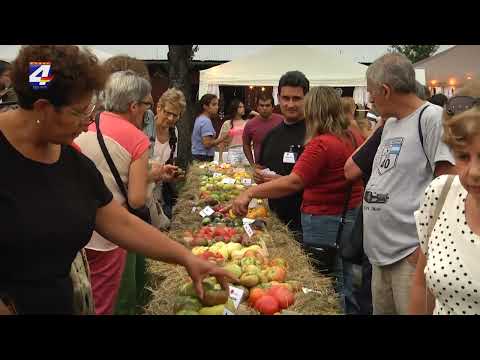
column 127, row 96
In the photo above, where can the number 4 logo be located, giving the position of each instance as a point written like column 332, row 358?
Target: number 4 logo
column 40, row 74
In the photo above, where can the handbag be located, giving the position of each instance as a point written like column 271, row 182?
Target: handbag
column 351, row 247
column 83, row 302
column 142, row 212
column 169, row 191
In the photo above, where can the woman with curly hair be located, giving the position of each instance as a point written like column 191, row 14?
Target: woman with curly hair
column 46, row 223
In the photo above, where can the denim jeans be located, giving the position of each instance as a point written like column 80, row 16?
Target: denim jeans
column 320, row 231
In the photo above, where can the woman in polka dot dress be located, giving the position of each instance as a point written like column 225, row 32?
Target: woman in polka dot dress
column 447, row 279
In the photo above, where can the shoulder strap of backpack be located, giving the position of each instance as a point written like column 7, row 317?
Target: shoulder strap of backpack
column 420, row 131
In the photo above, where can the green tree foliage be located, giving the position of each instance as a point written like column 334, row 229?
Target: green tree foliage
column 415, row 52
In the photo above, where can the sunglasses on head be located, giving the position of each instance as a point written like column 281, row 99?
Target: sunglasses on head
column 458, row 104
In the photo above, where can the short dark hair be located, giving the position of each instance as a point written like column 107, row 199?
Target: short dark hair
column 75, row 73
column 294, row 79
column 265, row 97
column 438, row 99
column 4, row 66
column 204, row 100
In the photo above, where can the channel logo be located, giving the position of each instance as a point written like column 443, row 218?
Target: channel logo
column 39, row 75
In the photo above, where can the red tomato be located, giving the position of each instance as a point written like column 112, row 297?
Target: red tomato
column 267, row 305
column 255, row 294
column 284, row 296
column 219, row 231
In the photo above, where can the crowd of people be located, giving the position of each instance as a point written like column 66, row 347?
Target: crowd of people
column 401, row 186
column 59, row 200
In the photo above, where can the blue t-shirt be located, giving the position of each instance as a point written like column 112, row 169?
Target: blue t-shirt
column 203, row 127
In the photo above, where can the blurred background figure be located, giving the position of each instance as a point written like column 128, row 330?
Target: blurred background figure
column 7, row 95
column 349, row 110
column 438, row 99
column 234, row 128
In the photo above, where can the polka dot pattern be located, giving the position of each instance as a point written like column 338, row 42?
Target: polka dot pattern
column 450, row 273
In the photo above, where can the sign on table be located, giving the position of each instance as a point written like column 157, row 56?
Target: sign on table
column 207, row 211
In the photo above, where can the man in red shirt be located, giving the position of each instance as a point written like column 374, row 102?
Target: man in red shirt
column 257, row 128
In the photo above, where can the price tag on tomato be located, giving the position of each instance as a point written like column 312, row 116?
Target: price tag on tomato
column 236, row 295
column 247, row 182
column 228, row 181
column 248, row 230
column 206, row 212
column 215, row 175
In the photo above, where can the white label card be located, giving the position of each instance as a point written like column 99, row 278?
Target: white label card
column 228, row 181
column 248, row 230
column 216, row 175
column 247, row 182
column 207, row 211
column 248, row 221
column 307, row 290
column 227, row 312
column 289, row 158
column 236, row 295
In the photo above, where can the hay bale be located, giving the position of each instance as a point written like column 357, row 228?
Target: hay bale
column 166, row 278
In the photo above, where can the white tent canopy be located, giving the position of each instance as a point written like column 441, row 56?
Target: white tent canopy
column 265, row 68
column 9, row 52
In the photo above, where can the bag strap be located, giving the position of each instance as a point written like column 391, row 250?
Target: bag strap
column 420, row 132
column 440, row 203
column 436, row 213
column 346, row 200
column 172, row 141
column 110, row 162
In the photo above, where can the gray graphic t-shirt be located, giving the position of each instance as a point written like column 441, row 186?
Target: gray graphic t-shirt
column 400, row 175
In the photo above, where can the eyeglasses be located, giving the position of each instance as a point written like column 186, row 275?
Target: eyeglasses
column 85, row 115
column 458, row 104
column 171, row 114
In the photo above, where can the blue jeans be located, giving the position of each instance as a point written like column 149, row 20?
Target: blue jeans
column 320, row 231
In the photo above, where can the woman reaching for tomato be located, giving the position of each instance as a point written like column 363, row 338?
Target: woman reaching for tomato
column 319, row 173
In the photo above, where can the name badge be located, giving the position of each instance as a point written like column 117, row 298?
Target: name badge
column 289, row 158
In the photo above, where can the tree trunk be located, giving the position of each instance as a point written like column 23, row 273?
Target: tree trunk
column 180, row 77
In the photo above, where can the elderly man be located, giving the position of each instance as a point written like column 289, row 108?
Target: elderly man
column 410, row 153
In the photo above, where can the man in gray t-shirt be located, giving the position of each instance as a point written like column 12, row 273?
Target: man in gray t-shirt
column 401, row 171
